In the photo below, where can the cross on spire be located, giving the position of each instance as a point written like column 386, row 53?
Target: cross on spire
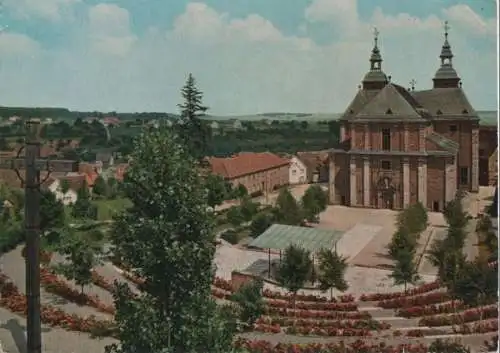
column 446, row 29
column 375, row 35
column 413, row 82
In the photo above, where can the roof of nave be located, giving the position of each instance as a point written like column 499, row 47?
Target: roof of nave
column 393, row 102
column 443, row 142
column 445, row 102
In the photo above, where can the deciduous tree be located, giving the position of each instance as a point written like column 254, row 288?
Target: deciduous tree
column 261, row 222
column 100, row 187
column 235, row 216
column 331, row 274
column 294, row 269
column 83, row 207
column 52, row 213
column 314, row 201
column 80, row 255
column 167, row 238
column 477, row 283
column 216, row 187
column 287, row 209
column 250, row 301
column 248, row 208
column 405, row 270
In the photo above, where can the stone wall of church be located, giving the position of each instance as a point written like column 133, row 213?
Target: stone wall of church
column 464, row 137
column 338, row 179
column 435, row 182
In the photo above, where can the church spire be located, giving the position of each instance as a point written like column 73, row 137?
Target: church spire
column 446, row 76
column 375, row 58
column 375, row 78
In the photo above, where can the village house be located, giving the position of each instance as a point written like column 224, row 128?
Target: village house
column 400, row 146
column 316, row 163
column 65, row 187
column 111, row 121
column 258, row 172
column 297, row 172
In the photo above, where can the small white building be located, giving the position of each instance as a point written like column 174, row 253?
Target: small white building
column 67, row 198
column 297, row 172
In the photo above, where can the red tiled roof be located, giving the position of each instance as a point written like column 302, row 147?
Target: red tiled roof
column 245, row 163
column 75, row 181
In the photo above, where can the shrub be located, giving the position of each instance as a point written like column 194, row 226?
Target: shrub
column 231, row 236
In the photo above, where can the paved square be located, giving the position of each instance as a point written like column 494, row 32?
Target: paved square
column 355, row 239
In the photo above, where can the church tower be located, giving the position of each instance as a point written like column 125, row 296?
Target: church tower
column 375, row 79
column 446, row 76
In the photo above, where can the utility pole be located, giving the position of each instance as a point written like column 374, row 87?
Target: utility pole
column 33, row 165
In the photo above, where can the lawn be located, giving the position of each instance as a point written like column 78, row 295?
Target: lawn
column 107, row 208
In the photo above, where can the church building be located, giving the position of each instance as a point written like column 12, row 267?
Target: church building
column 399, row 146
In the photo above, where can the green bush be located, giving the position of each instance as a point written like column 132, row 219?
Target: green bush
column 11, row 238
column 231, row 236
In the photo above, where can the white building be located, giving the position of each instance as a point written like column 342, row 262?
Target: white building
column 70, row 196
column 297, row 172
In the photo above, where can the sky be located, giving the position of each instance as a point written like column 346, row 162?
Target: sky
column 248, row 56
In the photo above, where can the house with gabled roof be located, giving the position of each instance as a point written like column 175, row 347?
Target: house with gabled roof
column 258, row 172
column 399, row 146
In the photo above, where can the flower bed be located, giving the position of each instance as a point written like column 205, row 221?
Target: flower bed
column 52, row 284
column 355, row 347
column 368, row 324
column 102, row 282
column 426, row 310
column 317, row 314
column 427, row 287
column 267, row 293
column 313, row 305
column 419, row 300
column 471, row 315
column 15, row 302
column 326, row 331
column 424, row 332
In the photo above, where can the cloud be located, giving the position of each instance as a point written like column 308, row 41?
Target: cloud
column 109, row 30
column 247, row 65
column 17, row 44
column 464, row 16
column 46, row 9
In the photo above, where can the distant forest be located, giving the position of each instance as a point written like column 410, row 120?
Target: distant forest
column 487, row 117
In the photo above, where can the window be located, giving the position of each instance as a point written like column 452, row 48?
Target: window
column 389, row 111
column 386, row 165
column 453, row 128
column 464, row 175
column 294, row 172
column 386, row 139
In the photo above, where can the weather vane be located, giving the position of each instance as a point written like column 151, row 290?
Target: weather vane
column 446, row 28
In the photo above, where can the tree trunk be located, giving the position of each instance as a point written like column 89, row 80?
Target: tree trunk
column 331, row 294
column 405, row 287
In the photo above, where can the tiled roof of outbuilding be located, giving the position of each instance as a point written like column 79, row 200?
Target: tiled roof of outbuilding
column 245, row 163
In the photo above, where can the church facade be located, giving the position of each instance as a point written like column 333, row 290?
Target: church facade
column 400, row 146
